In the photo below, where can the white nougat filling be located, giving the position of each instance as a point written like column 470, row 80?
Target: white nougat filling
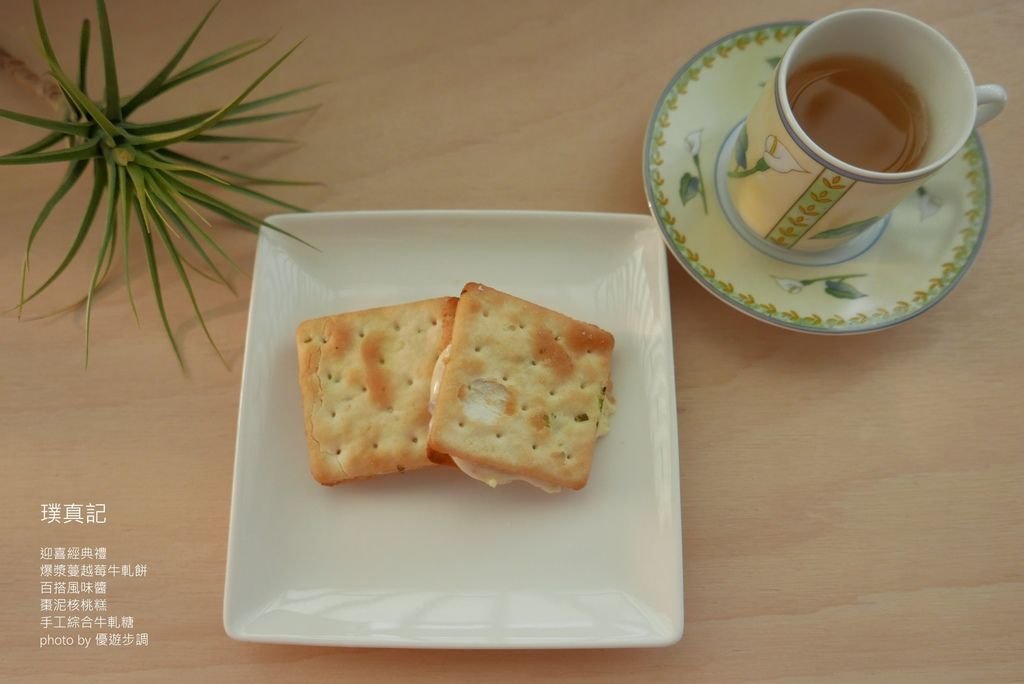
column 493, row 477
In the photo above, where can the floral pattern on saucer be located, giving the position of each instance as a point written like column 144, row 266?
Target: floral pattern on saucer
column 930, row 242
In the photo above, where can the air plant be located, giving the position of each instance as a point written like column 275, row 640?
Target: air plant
column 135, row 168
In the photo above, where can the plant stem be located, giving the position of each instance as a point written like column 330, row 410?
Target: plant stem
column 840, row 277
column 700, row 179
column 761, row 165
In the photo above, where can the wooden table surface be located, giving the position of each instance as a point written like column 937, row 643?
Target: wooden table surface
column 877, row 534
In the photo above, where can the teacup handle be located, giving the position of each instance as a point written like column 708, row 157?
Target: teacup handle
column 991, row 100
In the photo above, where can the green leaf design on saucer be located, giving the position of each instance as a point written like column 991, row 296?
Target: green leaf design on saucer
column 927, row 204
column 689, row 187
column 842, row 290
column 849, row 230
column 742, row 143
column 835, row 285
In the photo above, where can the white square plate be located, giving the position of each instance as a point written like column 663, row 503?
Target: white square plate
column 431, row 558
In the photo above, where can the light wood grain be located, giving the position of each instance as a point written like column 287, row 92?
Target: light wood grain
column 853, row 508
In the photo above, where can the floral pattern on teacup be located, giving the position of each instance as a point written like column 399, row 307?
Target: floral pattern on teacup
column 776, row 157
column 779, row 158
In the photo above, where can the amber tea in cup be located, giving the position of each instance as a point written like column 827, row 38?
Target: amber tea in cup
column 860, row 111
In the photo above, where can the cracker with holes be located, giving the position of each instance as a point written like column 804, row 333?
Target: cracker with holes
column 525, row 392
column 365, row 381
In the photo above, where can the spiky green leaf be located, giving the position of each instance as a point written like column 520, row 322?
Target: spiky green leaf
column 47, row 141
column 174, row 202
column 215, row 61
column 248, row 192
column 181, row 136
column 74, row 93
column 186, row 121
column 113, row 246
column 83, row 55
column 236, row 176
column 161, row 228
column 66, row 127
column 99, row 182
column 157, row 162
column 269, row 116
column 238, row 216
column 138, row 184
column 123, row 191
column 207, row 137
column 83, row 151
column 75, row 113
column 153, row 85
column 154, row 274
column 110, row 89
column 184, row 229
column 208, row 64
column 74, row 172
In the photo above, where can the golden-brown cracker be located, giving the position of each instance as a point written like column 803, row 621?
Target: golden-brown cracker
column 523, row 390
column 365, row 381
